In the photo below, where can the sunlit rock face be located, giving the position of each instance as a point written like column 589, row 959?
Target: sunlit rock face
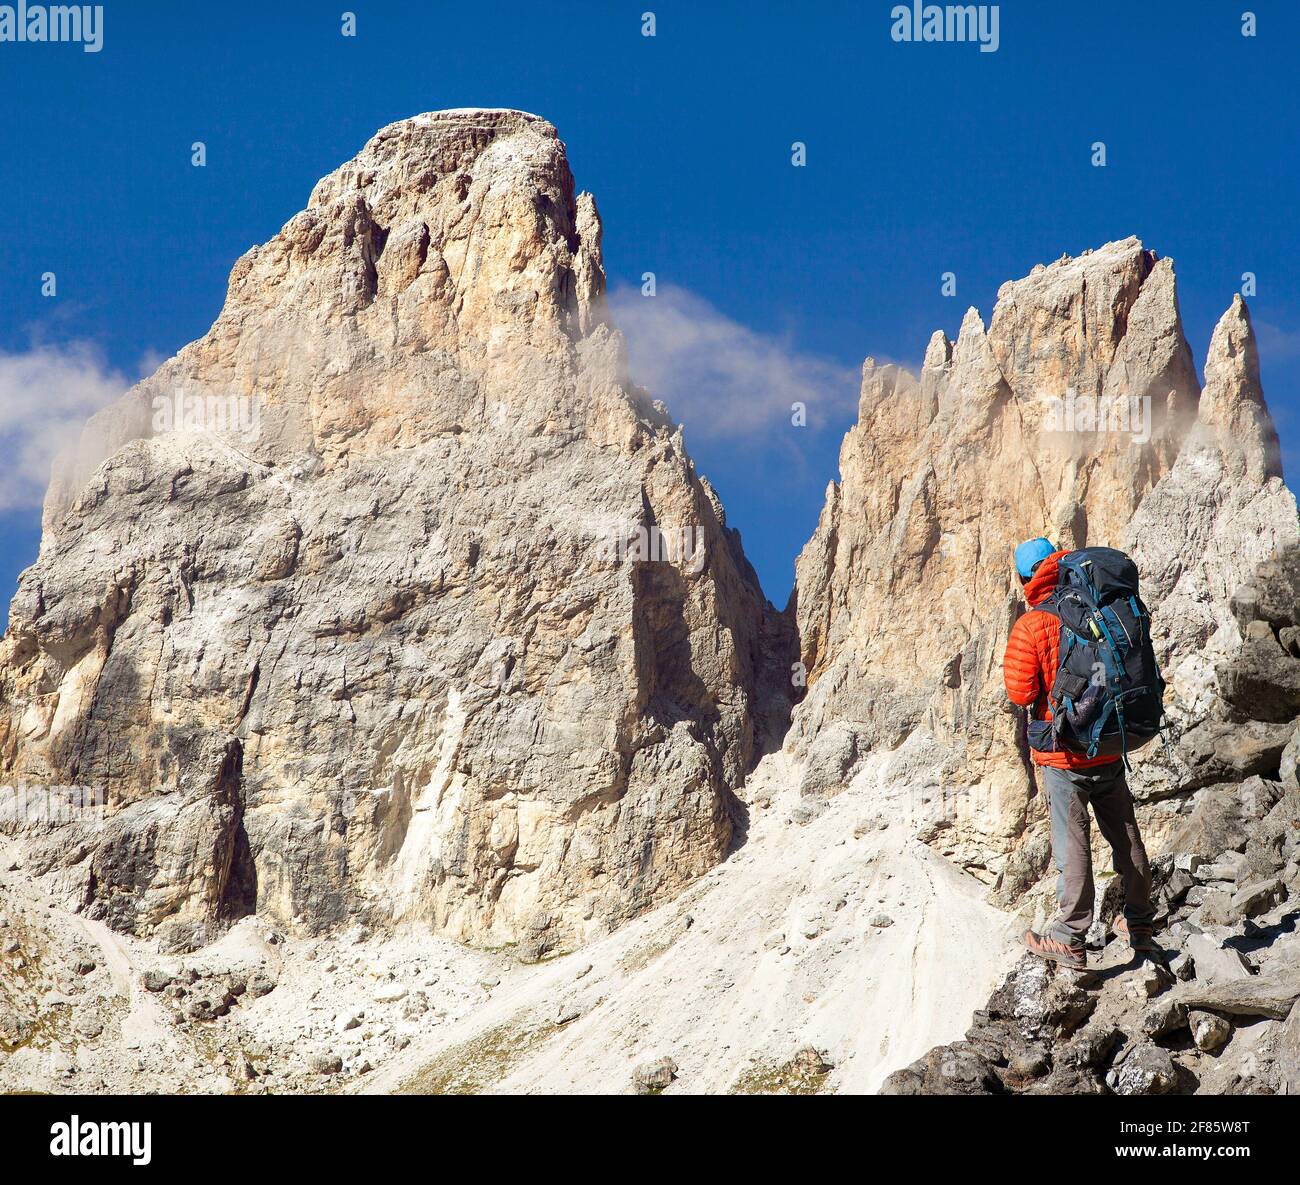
column 1076, row 414
column 391, row 597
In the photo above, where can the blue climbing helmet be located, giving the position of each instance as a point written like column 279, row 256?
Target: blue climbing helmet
column 1030, row 554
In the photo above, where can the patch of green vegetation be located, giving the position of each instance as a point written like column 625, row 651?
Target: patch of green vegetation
column 478, row 1063
column 795, row 1077
column 38, row 1033
column 25, row 1023
column 640, row 957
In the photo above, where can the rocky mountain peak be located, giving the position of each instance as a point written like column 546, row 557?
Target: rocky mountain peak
column 1077, row 415
column 450, row 257
column 449, row 641
column 449, row 629
column 1232, row 403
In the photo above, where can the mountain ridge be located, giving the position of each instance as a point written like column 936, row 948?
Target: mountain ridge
column 455, row 643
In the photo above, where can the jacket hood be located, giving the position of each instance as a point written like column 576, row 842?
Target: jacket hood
column 1043, row 582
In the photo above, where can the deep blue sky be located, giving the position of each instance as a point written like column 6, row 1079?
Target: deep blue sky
column 921, row 159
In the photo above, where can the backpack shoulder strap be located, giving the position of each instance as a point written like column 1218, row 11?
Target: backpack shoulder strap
column 1048, row 606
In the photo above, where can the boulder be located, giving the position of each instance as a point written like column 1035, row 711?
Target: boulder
column 1215, row 908
column 1271, row 994
column 1225, row 751
column 1209, row 1032
column 1216, row 824
column 1257, row 898
column 1288, row 761
column 654, row 1075
column 1147, row 1070
column 1272, row 594
column 1215, row 963
column 1229, row 867
column 948, row 1070
column 1162, row 1018
column 1262, row 681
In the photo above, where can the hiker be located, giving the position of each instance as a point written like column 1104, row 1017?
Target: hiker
column 1073, row 780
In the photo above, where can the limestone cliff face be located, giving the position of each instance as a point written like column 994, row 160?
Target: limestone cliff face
column 1220, row 511
column 1077, row 415
column 392, row 598
column 439, row 623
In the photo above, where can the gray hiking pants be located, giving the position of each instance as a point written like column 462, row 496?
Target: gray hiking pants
column 1069, row 793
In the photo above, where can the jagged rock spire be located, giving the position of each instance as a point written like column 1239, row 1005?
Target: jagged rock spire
column 1073, row 415
column 1232, row 403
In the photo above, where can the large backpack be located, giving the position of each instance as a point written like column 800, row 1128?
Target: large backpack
column 1107, row 698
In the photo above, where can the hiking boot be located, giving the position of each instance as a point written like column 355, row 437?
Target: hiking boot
column 1047, row 947
column 1140, row 938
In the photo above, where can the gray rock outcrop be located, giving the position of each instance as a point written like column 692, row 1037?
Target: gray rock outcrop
column 400, row 531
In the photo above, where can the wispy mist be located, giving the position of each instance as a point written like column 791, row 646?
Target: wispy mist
column 46, row 396
column 721, row 379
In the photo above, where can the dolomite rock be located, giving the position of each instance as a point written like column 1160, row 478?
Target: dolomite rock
column 377, row 655
column 1147, row 1070
column 1268, row 995
column 655, row 1074
column 1213, row 520
column 446, row 581
column 905, row 593
column 1215, row 963
column 1264, row 679
column 1223, row 751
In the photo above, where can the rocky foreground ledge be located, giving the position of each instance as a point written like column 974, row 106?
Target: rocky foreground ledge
column 1216, row 1014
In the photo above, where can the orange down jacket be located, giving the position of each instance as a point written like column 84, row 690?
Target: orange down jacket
column 1029, row 665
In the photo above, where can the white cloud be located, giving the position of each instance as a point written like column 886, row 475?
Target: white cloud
column 720, row 378
column 46, row 396
column 1275, row 342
